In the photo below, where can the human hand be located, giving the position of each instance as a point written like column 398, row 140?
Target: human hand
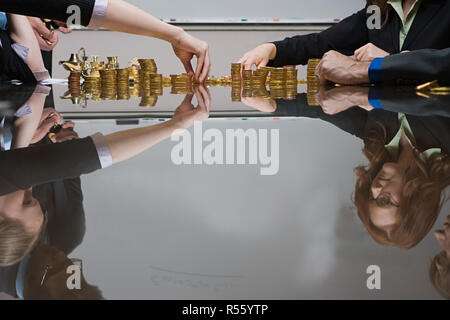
column 337, row 99
column 338, row 68
column 259, row 56
column 46, row 38
column 48, row 119
column 261, row 104
column 186, row 47
column 186, row 114
column 369, row 52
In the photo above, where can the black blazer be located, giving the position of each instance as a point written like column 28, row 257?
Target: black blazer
column 417, row 67
column 28, row 167
column 50, row 9
column 429, row 131
column 430, row 29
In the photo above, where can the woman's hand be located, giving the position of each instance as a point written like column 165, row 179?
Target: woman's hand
column 259, row 56
column 260, row 104
column 186, row 114
column 46, row 38
column 186, row 47
column 369, row 52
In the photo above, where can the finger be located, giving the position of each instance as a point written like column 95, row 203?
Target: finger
column 206, row 68
column 263, row 63
column 188, row 67
column 206, row 97
column 200, row 99
column 200, row 61
column 45, row 32
column 248, row 64
column 68, row 125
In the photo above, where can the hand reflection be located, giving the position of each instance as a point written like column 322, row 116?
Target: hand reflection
column 186, row 114
column 261, row 104
column 337, row 99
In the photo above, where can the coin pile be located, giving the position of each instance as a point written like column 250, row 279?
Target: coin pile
column 313, row 82
column 247, row 76
column 236, row 72
column 123, row 77
column 91, row 82
column 291, row 75
column 108, row 93
column 74, row 83
column 148, row 101
column 108, row 78
column 278, row 77
column 236, row 93
column 148, row 67
column 180, row 83
column 156, row 84
column 259, row 77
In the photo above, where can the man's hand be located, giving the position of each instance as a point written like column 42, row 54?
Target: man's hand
column 259, row 56
column 186, row 47
column 186, row 114
column 66, row 133
column 337, row 99
column 46, row 38
column 48, row 119
column 338, row 68
column 369, row 52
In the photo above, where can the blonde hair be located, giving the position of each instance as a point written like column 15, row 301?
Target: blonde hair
column 441, row 278
column 16, row 242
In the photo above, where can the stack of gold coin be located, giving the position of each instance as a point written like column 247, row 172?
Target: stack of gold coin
column 109, row 93
column 123, row 92
column 311, row 70
column 108, row 78
column 180, row 83
column 134, row 91
column 148, row 101
column 261, row 92
column 291, row 75
column 278, row 77
column 156, row 84
column 213, row 82
column 247, row 92
column 247, row 76
column 74, row 83
column 123, row 76
column 278, row 92
column 259, row 77
column 91, row 82
column 291, row 92
column 148, row 67
column 236, row 93
column 236, row 72
column 167, row 82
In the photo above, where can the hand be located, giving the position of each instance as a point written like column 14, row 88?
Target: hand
column 338, row 99
column 259, row 56
column 62, row 26
column 46, row 38
column 186, row 114
column 369, row 52
column 338, row 68
column 443, row 237
column 258, row 103
column 186, row 47
column 66, row 133
column 48, row 119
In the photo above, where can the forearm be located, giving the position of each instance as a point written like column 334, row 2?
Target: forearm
column 124, row 145
column 124, row 17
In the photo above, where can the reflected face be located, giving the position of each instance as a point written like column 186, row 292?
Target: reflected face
column 385, row 196
column 22, row 206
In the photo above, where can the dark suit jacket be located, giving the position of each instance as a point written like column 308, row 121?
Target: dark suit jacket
column 429, row 131
column 431, row 29
column 50, row 9
column 417, row 67
column 24, row 168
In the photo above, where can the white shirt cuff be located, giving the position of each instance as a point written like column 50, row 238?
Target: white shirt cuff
column 104, row 154
column 98, row 14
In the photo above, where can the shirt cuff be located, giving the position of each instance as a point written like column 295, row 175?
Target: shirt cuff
column 98, row 14
column 104, row 154
column 375, row 71
column 375, row 98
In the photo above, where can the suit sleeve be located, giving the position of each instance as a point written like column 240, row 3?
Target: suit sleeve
column 24, row 168
column 417, row 67
column 344, row 37
column 51, row 9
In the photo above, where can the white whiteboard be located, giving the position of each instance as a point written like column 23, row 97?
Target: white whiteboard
column 250, row 11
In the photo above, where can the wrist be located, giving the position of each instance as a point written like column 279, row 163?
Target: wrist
column 273, row 51
column 175, row 34
column 361, row 72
